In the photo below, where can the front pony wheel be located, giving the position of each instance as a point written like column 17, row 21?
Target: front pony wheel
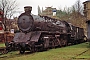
column 22, row 51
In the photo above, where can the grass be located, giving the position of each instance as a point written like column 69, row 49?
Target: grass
column 2, row 45
column 85, row 55
column 64, row 53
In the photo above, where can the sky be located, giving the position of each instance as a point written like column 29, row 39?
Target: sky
column 58, row 4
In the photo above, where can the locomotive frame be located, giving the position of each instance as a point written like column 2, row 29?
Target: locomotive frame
column 40, row 33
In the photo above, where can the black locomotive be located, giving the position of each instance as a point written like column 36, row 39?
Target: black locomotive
column 38, row 33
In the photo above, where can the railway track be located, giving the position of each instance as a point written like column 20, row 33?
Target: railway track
column 81, row 54
column 3, row 50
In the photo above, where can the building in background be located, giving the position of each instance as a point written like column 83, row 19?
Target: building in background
column 87, row 15
column 49, row 11
column 1, row 15
column 5, row 36
column 1, row 21
column 12, row 24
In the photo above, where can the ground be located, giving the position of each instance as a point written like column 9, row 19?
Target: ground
column 75, row 52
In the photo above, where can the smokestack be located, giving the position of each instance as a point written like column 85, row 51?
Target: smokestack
column 28, row 9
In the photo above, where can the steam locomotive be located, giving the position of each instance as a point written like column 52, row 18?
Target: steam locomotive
column 39, row 33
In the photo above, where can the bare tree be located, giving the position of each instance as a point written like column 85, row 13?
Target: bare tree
column 67, row 10
column 64, row 14
column 39, row 10
column 77, row 11
column 8, row 7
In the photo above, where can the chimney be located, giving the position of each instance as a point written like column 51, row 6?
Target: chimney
column 27, row 9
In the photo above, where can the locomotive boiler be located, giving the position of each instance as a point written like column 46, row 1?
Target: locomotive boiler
column 39, row 33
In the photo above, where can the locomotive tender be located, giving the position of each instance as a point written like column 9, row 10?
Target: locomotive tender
column 41, row 32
